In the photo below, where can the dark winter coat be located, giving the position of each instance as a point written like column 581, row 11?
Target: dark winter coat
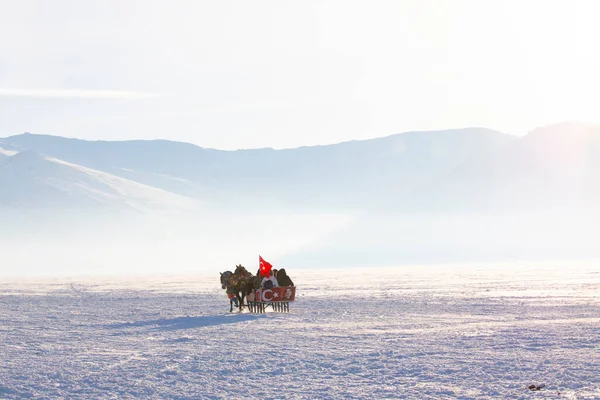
column 283, row 279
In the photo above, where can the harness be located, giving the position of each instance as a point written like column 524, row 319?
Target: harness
column 240, row 281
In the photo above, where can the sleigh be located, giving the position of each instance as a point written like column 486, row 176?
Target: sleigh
column 278, row 298
column 244, row 288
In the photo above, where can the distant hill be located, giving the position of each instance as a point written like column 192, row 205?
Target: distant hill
column 456, row 195
column 555, row 167
column 353, row 175
column 539, row 196
column 30, row 180
column 461, row 170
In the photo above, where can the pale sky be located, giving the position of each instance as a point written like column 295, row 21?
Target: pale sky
column 244, row 74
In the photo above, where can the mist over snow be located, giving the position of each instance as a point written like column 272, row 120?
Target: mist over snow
column 154, row 243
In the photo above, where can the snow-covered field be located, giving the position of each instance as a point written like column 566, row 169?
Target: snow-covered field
column 476, row 332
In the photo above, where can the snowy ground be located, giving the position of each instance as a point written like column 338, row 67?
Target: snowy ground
column 459, row 332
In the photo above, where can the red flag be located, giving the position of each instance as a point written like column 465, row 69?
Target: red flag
column 265, row 267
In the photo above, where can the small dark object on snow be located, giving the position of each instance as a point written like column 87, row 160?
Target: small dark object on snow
column 538, row 387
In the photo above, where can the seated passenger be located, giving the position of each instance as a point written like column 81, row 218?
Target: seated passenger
column 272, row 282
column 283, row 279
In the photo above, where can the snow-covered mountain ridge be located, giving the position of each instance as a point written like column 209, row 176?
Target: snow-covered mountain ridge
column 31, row 180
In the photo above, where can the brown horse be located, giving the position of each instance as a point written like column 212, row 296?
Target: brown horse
column 241, row 283
column 226, row 283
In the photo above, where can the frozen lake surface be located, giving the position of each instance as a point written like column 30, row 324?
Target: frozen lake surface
column 476, row 332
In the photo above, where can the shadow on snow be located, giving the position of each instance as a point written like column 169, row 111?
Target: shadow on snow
column 174, row 324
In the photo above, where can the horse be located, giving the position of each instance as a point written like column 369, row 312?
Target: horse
column 242, row 272
column 240, row 283
column 227, row 284
column 246, row 281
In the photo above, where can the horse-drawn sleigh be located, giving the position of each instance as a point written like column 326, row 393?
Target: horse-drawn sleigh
column 244, row 289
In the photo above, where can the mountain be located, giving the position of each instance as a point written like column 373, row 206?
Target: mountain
column 464, row 170
column 456, row 195
column 539, row 196
column 554, row 167
column 352, row 175
column 30, row 180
